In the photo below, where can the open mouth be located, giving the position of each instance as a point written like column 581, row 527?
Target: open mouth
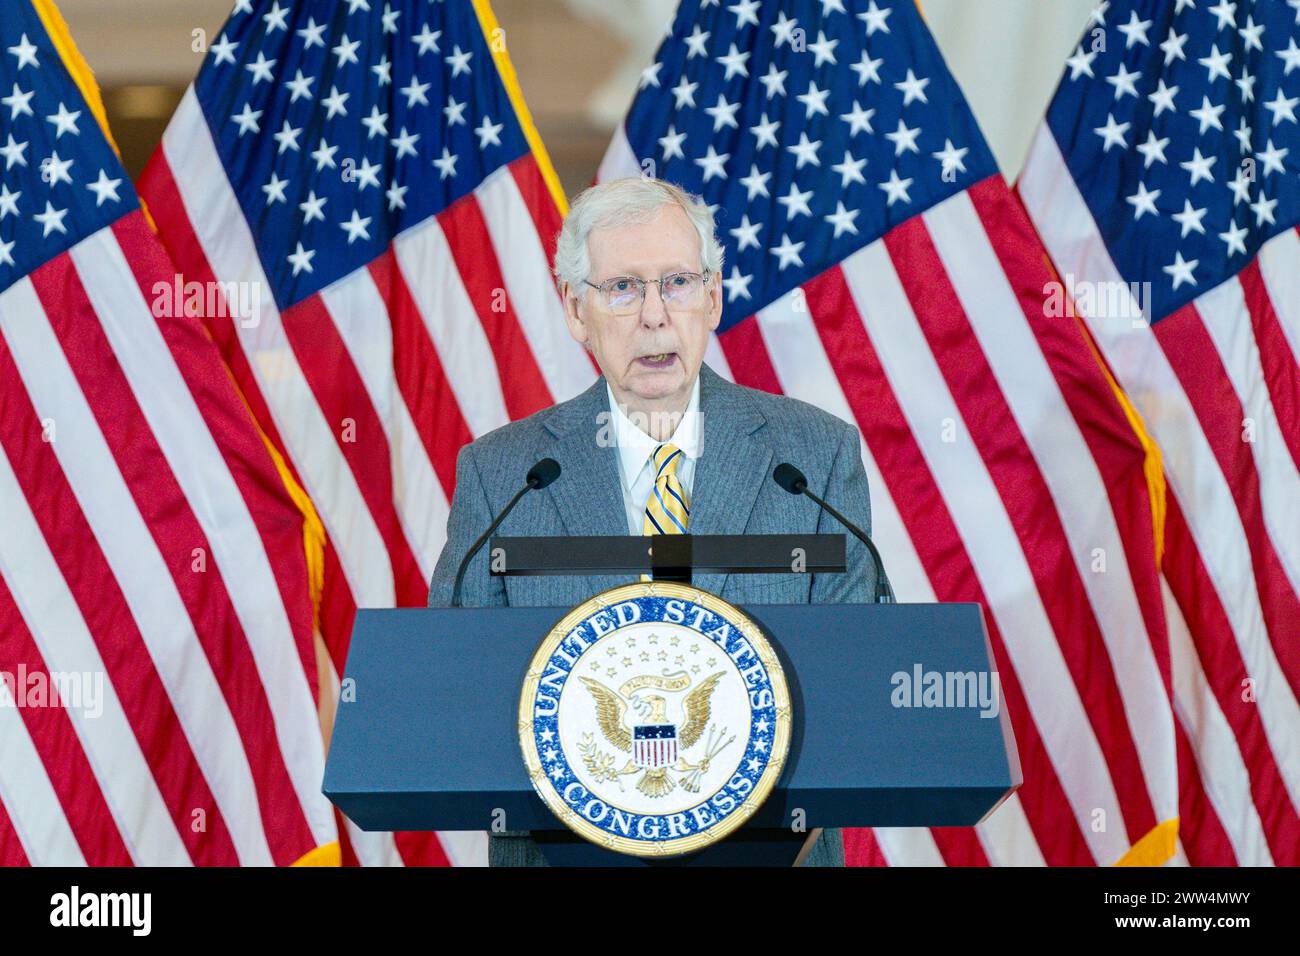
column 662, row 360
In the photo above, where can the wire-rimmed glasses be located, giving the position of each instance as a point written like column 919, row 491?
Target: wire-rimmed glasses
column 624, row 295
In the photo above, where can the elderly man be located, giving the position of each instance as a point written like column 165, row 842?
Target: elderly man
column 660, row 444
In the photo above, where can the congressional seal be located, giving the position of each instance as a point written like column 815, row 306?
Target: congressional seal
column 654, row 719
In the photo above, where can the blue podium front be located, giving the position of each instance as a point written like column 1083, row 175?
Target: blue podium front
column 898, row 719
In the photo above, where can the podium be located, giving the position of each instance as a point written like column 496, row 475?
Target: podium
column 426, row 732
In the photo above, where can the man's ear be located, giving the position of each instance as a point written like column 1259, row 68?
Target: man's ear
column 572, row 316
column 715, row 301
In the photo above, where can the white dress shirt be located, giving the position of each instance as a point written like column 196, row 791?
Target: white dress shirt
column 636, row 470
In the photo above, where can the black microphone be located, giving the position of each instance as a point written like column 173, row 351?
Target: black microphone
column 539, row 476
column 792, row 480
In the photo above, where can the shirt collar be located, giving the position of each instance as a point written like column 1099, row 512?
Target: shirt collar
column 635, row 446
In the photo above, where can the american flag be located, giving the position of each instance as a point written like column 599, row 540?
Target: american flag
column 878, row 266
column 153, row 564
column 1168, row 158
column 370, row 171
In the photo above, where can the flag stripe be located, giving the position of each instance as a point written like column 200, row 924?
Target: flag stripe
column 463, row 847
column 1211, row 525
column 959, row 846
column 157, row 437
column 54, row 740
column 539, row 204
column 941, row 550
column 943, row 319
column 714, row 357
column 909, row 846
column 805, row 371
column 146, row 392
column 246, row 458
column 213, row 212
column 181, row 241
column 108, row 492
column 803, row 367
column 477, row 261
column 1226, row 676
column 1210, row 394
column 1218, row 821
column 619, row 159
column 1281, row 373
column 350, row 526
column 360, row 315
column 526, row 274
column 748, row 358
column 184, row 425
column 420, row 849
column 1005, row 368
column 128, row 778
column 137, row 492
column 338, row 609
column 420, row 377
column 147, row 710
column 1226, row 320
column 991, row 542
column 1117, row 454
column 371, row 849
column 1203, row 840
column 429, row 270
column 862, row 848
column 1008, row 838
column 42, row 769
column 1277, row 259
column 11, row 846
column 341, row 399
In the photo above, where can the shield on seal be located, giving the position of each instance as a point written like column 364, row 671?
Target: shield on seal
column 654, row 745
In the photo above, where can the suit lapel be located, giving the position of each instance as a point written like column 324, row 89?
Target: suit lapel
column 588, row 495
column 732, row 467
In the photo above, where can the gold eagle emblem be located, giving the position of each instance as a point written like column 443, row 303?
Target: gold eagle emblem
column 655, row 743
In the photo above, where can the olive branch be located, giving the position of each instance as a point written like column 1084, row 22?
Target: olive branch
column 599, row 764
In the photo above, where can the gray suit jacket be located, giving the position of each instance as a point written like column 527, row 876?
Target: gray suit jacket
column 746, row 433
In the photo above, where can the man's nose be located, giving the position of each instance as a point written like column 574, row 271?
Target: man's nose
column 653, row 311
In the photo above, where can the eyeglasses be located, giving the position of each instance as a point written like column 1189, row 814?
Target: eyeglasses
column 624, row 295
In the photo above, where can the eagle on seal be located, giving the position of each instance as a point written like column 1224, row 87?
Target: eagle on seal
column 611, row 708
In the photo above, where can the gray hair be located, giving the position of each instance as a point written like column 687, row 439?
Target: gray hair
column 617, row 202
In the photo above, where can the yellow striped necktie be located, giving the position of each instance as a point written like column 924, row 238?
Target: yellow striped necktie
column 667, row 510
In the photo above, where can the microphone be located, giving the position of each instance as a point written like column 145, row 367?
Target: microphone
column 539, row 476
column 792, row 480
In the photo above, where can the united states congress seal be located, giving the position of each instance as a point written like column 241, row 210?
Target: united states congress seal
column 654, row 719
